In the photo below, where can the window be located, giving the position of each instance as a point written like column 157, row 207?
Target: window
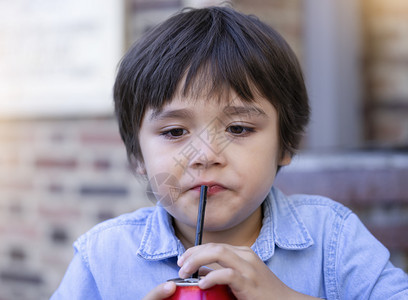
column 58, row 58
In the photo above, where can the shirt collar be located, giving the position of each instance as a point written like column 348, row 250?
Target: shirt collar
column 159, row 240
column 282, row 226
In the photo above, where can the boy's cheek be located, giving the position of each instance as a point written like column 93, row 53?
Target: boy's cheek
column 164, row 189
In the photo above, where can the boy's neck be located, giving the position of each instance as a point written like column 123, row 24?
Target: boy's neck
column 244, row 234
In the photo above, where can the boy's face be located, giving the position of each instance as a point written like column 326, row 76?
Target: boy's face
column 231, row 146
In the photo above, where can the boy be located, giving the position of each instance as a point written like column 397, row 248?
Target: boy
column 215, row 97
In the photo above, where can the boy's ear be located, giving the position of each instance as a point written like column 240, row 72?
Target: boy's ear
column 137, row 165
column 140, row 169
column 285, row 159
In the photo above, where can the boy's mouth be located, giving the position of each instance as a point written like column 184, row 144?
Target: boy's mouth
column 213, row 188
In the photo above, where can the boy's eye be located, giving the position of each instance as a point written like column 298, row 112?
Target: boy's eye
column 239, row 130
column 236, row 129
column 174, row 133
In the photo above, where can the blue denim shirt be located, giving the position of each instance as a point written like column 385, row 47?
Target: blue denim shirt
column 313, row 244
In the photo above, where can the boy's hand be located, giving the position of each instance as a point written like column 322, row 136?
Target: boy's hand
column 162, row 291
column 244, row 272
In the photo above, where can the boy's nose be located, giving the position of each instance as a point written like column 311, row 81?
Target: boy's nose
column 209, row 152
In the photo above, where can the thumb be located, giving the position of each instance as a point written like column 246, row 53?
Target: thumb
column 161, row 291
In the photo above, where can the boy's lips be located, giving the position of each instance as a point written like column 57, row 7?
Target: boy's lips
column 213, row 187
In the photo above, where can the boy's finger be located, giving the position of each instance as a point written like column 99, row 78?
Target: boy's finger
column 221, row 276
column 162, row 291
column 193, row 250
column 227, row 256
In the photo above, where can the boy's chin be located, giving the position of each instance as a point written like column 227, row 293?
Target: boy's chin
column 210, row 224
column 218, row 225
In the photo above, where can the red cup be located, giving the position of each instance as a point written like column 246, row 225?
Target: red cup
column 187, row 289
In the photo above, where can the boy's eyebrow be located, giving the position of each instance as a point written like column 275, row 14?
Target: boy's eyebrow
column 247, row 110
column 183, row 113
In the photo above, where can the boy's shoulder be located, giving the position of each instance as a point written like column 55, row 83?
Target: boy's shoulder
column 137, row 217
column 128, row 222
column 319, row 218
column 318, row 203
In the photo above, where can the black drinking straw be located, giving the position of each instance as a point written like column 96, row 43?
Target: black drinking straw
column 200, row 219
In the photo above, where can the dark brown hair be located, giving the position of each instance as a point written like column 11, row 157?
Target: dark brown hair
column 214, row 49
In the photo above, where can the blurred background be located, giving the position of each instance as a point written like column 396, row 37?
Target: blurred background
column 63, row 167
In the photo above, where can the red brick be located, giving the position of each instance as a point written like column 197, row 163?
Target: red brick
column 100, row 138
column 393, row 237
column 16, row 137
column 56, row 188
column 351, row 187
column 140, row 5
column 102, row 164
column 10, row 159
column 69, row 163
column 16, row 184
column 13, row 276
column 58, row 211
column 104, row 190
column 27, row 231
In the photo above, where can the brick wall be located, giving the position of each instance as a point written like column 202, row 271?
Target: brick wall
column 284, row 16
column 386, row 71
column 58, row 178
